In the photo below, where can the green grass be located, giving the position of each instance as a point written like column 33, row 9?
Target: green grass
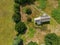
column 31, row 32
column 56, row 15
column 59, row 39
column 42, row 4
column 59, row 2
column 7, row 32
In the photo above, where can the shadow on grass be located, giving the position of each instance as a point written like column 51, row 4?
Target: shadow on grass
column 43, row 26
column 45, row 23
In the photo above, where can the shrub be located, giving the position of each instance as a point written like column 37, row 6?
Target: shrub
column 17, row 1
column 17, row 7
column 16, row 18
column 20, row 27
column 28, row 11
column 23, row 2
column 32, row 43
column 18, row 41
column 51, row 39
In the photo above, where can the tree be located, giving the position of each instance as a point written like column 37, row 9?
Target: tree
column 17, row 1
column 23, row 2
column 20, row 27
column 32, row 43
column 21, row 42
column 17, row 7
column 51, row 39
column 30, row 1
column 16, row 18
column 28, row 11
column 18, row 41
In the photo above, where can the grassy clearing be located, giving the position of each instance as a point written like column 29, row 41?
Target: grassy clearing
column 42, row 4
column 31, row 32
column 7, row 32
column 56, row 15
column 59, row 39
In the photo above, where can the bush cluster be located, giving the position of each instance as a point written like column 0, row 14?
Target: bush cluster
column 24, row 2
column 18, row 41
column 51, row 39
column 32, row 43
column 20, row 27
column 28, row 11
column 17, row 16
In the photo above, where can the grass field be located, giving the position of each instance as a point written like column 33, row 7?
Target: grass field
column 42, row 4
column 7, row 32
column 56, row 15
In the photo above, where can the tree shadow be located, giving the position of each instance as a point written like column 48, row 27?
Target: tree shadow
column 44, row 27
column 48, row 22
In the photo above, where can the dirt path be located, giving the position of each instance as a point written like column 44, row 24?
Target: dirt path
column 23, row 15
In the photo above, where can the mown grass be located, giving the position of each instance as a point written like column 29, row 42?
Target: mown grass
column 7, row 32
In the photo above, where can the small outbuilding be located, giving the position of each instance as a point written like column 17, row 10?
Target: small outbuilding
column 42, row 19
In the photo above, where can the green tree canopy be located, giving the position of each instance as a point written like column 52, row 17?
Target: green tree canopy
column 16, row 18
column 32, row 43
column 18, row 41
column 28, row 11
column 17, row 1
column 51, row 39
column 23, row 2
column 20, row 27
column 16, row 7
